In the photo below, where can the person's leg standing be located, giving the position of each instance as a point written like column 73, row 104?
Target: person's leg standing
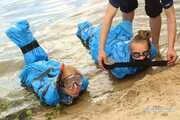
column 153, row 10
column 127, row 7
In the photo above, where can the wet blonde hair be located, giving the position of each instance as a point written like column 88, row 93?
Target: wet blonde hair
column 143, row 36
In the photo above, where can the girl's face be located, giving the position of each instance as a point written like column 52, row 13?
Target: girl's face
column 71, row 81
column 140, row 50
column 72, row 84
column 73, row 91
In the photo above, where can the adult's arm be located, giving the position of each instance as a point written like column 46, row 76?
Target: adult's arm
column 107, row 21
column 171, row 26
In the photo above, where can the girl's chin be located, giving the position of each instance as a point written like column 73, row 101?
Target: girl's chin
column 75, row 94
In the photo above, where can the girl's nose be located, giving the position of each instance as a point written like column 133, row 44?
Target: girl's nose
column 141, row 58
column 74, row 85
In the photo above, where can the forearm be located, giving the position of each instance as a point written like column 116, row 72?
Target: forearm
column 171, row 26
column 104, row 32
column 107, row 21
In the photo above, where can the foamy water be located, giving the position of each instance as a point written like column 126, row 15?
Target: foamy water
column 53, row 22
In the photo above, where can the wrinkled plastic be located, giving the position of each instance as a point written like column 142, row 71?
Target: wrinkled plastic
column 40, row 73
column 116, row 47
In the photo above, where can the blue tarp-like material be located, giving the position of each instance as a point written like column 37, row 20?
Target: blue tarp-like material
column 116, row 47
column 39, row 72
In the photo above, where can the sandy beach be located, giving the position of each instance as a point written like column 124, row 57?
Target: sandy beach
column 153, row 94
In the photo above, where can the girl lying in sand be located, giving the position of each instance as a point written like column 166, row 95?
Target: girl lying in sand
column 53, row 82
column 120, row 46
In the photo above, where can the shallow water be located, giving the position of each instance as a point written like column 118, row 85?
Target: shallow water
column 53, row 22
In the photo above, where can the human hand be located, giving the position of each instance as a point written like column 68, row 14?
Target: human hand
column 102, row 58
column 171, row 56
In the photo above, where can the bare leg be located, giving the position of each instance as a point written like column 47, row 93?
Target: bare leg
column 155, row 25
column 128, row 16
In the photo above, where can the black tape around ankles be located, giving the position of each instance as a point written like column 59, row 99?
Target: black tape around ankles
column 29, row 47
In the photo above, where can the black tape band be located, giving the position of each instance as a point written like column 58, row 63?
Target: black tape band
column 136, row 64
column 29, row 47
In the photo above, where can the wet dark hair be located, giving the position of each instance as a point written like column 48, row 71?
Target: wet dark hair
column 59, row 82
column 142, row 36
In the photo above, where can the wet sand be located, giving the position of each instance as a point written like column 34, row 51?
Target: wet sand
column 154, row 97
column 152, row 94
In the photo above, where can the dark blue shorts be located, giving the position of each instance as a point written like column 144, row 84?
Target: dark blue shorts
column 153, row 7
